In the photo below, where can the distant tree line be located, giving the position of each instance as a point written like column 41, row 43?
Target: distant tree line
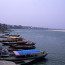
column 25, row 27
column 4, row 27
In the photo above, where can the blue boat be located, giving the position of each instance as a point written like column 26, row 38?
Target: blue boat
column 24, row 56
column 30, row 54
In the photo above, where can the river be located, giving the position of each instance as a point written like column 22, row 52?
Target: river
column 52, row 42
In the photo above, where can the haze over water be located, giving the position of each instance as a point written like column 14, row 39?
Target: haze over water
column 36, row 13
column 52, row 42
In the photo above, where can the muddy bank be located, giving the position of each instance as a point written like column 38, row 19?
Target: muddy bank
column 7, row 63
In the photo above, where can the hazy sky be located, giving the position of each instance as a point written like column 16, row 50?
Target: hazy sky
column 40, row 13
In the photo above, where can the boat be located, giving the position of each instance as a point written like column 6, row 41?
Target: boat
column 11, row 49
column 19, row 42
column 9, row 43
column 4, row 35
column 17, row 46
column 26, row 42
column 15, row 60
column 24, row 56
column 9, row 40
column 15, row 38
column 12, row 39
column 30, row 54
column 15, row 35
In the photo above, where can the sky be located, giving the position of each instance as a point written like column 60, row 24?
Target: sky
column 37, row 13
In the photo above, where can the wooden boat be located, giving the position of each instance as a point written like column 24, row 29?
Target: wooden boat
column 21, row 62
column 26, row 42
column 30, row 54
column 17, row 46
column 7, row 31
column 9, row 43
column 11, row 49
column 16, row 60
column 19, row 42
column 9, row 40
column 12, row 40
column 4, row 35
column 15, row 35
column 24, row 56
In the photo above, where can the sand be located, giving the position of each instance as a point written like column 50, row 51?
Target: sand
column 57, row 30
column 7, row 63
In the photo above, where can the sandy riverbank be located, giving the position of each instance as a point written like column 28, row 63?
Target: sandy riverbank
column 7, row 63
column 57, row 30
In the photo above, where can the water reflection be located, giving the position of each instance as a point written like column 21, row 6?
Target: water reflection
column 41, row 61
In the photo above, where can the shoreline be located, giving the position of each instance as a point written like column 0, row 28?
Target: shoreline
column 57, row 30
column 3, row 62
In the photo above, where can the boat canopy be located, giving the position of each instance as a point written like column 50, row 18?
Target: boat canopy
column 26, row 52
column 13, row 37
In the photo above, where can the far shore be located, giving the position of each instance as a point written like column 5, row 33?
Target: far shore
column 57, row 30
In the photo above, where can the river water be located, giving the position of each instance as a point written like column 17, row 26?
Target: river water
column 52, row 42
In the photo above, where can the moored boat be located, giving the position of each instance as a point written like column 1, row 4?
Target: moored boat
column 17, row 46
column 26, row 42
column 30, row 54
column 9, row 43
column 4, row 35
column 12, row 38
column 19, row 42
column 24, row 55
